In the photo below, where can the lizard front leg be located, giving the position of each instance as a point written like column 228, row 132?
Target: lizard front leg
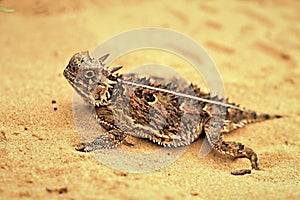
column 111, row 139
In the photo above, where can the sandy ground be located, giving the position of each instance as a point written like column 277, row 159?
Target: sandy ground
column 255, row 45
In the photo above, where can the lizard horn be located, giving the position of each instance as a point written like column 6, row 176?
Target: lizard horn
column 112, row 70
column 103, row 58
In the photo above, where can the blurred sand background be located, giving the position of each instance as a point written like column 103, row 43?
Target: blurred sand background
column 255, row 45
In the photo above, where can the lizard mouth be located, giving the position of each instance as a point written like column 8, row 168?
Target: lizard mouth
column 69, row 76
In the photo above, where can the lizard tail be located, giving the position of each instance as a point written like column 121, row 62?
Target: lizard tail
column 252, row 116
column 237, row 119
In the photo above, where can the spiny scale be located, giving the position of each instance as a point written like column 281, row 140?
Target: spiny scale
column 166, row 112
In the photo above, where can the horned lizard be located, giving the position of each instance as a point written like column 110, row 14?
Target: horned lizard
column 157, row 115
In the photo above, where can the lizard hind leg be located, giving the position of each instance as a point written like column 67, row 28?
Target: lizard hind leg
column 237, row 150
column 214, row 128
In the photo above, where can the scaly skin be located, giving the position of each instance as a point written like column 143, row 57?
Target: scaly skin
column 161, row 117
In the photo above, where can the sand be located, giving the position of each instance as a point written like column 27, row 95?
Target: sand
column 255, row 45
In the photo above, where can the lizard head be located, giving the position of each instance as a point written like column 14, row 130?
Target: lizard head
column 90, row 78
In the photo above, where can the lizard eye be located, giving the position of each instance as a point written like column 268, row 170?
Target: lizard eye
column 89, row 74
